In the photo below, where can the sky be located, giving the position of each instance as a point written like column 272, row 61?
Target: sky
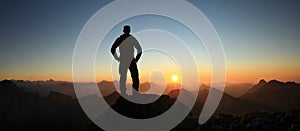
column 260, row 39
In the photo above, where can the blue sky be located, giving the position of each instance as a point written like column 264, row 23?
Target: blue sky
column 37, row 37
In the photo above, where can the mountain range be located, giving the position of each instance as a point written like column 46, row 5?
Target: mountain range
column 43, row 88
column 273, row 95
column 237, row 98
column 22, row 105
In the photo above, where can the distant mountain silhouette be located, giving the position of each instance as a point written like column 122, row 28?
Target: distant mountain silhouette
column 228, row 104
column 271, row 96
column 237, row 89
column 43, row 88
column 233, row 89
column 274, row 95
column 146, row 86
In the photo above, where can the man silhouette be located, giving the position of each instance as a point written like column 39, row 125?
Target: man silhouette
column 126, row 43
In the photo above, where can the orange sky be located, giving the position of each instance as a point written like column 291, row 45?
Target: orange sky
column 235, row 74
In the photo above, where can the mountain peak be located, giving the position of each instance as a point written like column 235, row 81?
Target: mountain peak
column 262, row 81
column 259, row 85
column 275, row 82
column 291, row 82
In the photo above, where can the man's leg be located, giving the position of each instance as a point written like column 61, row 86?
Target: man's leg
column 123, row 78
column 134, row 75
column 123, row 84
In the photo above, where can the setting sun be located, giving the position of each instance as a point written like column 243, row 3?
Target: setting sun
column 174, row 78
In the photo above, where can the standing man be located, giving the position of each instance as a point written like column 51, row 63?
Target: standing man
column 126, row 43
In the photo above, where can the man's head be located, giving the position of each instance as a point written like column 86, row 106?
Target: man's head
column 126, row 29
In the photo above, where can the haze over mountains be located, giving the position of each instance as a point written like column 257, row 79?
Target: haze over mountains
column 108, row 87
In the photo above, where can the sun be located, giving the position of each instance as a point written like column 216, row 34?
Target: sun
column 174, row 78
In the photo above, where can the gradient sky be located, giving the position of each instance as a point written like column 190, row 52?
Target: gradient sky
column 260, row 37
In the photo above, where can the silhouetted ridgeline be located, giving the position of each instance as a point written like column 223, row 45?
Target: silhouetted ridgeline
column 266, row 106
column 24, row 110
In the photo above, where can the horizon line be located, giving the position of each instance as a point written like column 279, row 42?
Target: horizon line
column 227, row 82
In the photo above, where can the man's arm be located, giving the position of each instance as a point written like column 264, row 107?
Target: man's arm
column 114, row 47
column 139, row 50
